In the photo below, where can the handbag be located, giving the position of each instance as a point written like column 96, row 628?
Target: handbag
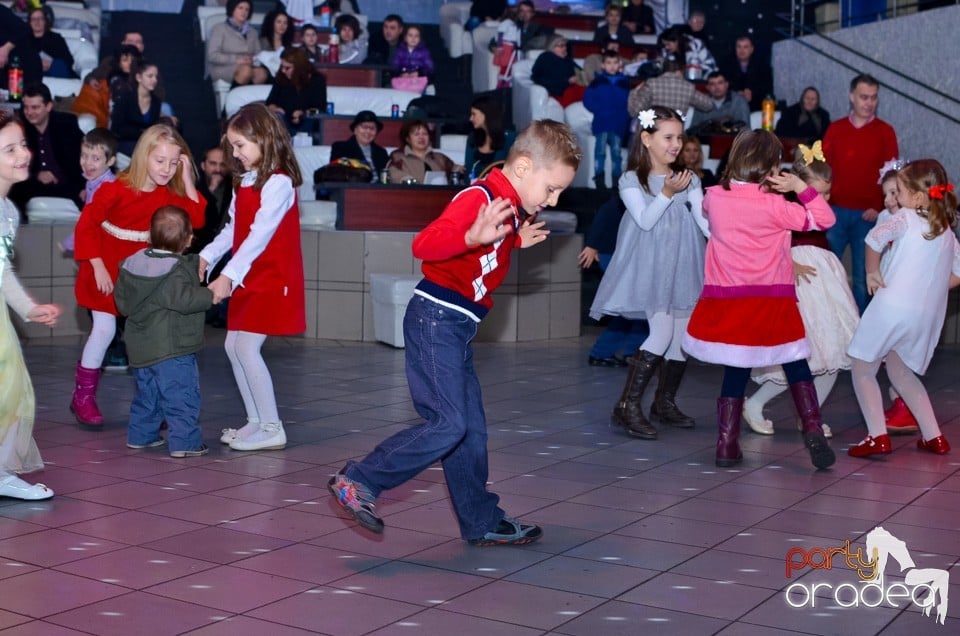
column 411, row 84
column 503, row 55
column 343, row 170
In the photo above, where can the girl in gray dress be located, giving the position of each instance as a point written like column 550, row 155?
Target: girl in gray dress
column 656, row 272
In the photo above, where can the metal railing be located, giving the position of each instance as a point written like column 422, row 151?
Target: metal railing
column 801, row 10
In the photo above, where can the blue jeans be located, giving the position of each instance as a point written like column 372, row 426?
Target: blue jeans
column 446, row 393
column 622, row 334
column 852, row 229
column 603, row 141
column 168, row 390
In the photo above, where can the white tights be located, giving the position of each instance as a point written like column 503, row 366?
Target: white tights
column 907, row 384
column 666, row 334
column 769, row 390
column 253, row 378
column 104, row 328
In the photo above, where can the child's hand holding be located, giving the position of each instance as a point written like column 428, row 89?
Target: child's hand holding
column 676, row 182
column 587, row 257
column 787, row 182
column 222, row 287
column 803, row 272
column 874, row 282
column 491, row 225
column 44, row 314
column 202, row 269
column 532, row 233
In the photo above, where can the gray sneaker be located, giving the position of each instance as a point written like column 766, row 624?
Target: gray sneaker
column 155, row 443
column 203, row 450
column 356, row 499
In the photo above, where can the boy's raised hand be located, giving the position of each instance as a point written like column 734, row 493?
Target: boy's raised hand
column 491, row 224
column 532, row 233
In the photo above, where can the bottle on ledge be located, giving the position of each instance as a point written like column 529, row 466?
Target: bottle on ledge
column 15, row 79
column 768, row 109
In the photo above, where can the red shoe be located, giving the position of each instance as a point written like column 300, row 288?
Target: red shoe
column 879, row 445
column 900, row 419
column 938, row 445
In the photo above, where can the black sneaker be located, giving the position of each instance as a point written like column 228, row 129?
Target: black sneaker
column 356, row 499
column 509, row 532
column 197, row 452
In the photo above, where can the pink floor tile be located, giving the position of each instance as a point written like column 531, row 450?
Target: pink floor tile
column 133, row 527
column 137, row 614
column 53, row 547
column 392, row 544
column 59, row 511
column 207, row 509
column 9, row 619
column 310, row 563
column 10, row 568
column 47, row 592
column 128, row 467
column 287, row 524
column 41, row 628
column 199, row 479
column 336, row 612
column 136, row 568
column 438, row 621
column 12, row 528
column 411, row 583
column 218, row 545
column 132, row 494
column 272, row 493
column 264, row 465
column 246, row 626
column 230, row 589
column 64, row 481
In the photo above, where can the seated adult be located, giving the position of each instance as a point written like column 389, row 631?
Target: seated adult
column 669, row 89
column 691, row 51
column 216, row 187
column 557, row 72
column 16, row 41
column 362, row 146
column 696, row 26
column 137, row 109
column 54, row 139
column 748, row 75
column 352, row 48
column 104, row 85
column 638, row 17
column 612, row 27
column 296, row 90
column 730, row 109
column 691, row 156
column 417, row 157
column 55, row 56
column 412, row 58
column 383, row 44
column 805, row 120
column 489, row 141
column 232, row 45
column 276, row 32
column 533, row 35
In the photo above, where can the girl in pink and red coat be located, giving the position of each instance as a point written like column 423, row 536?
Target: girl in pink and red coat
column 114, row 225
column 264, row 278
column 747, row 315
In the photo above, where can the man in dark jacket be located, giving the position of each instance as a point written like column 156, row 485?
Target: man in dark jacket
column 54, row 139
column 365, row 127
column 383, row 43
column 748, row 75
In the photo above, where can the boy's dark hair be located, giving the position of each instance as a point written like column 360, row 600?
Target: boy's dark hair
column 170, row 229
column 103, row 138
column 38, row 89
column 714, row 75
column 607, row 54
column 753, row 156
column 393, row 17
column 310, row 27
column 863, row 78
column 671, row 65
column 232, row 5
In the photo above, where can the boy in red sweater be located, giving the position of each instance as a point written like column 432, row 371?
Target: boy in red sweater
column 466, row 255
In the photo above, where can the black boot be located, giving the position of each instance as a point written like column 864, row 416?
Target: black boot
column 808, row 407
column 664, row 406
column 728, row 425
column 629, row 412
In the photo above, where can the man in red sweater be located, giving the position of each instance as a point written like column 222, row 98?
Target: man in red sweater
column 466, row 255
column 856, row 148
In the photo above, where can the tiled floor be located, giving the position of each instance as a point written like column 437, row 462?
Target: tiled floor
column 640, row 537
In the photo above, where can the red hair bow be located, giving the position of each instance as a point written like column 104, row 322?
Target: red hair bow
column 936, row 192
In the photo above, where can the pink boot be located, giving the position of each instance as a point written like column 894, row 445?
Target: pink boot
column 84, row 402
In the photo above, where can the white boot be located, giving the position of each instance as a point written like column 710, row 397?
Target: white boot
column 271, row 436
column 14, row 487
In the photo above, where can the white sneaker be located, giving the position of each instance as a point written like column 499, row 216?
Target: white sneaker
column 271, row 436
column 14, row 487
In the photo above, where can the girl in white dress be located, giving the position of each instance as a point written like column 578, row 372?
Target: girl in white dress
column 18, row 451
column 903, row 323
column 826, row 304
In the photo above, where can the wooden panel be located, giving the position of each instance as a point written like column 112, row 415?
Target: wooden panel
column 352, row 75
column 372, row 207
column 568, row 21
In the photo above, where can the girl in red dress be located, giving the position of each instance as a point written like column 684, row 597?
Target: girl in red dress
column 264, row 278
column 114, row 225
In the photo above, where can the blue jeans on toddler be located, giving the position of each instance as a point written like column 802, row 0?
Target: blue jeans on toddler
column 851, row 228
column 614, row 142
column 168, row 390
column 446, row 393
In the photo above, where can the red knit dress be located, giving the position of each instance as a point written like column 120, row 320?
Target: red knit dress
column 123, row 210
column 271, row 299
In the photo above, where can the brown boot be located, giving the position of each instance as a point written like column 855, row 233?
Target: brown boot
column 808, row 407
column 629, row 412
column 664, row 406
column 728, row 424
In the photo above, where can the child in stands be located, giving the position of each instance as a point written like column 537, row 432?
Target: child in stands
column 114, row 225
column 466, row 253
column 902, row 324
column 747, row 316
column 264, row 278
